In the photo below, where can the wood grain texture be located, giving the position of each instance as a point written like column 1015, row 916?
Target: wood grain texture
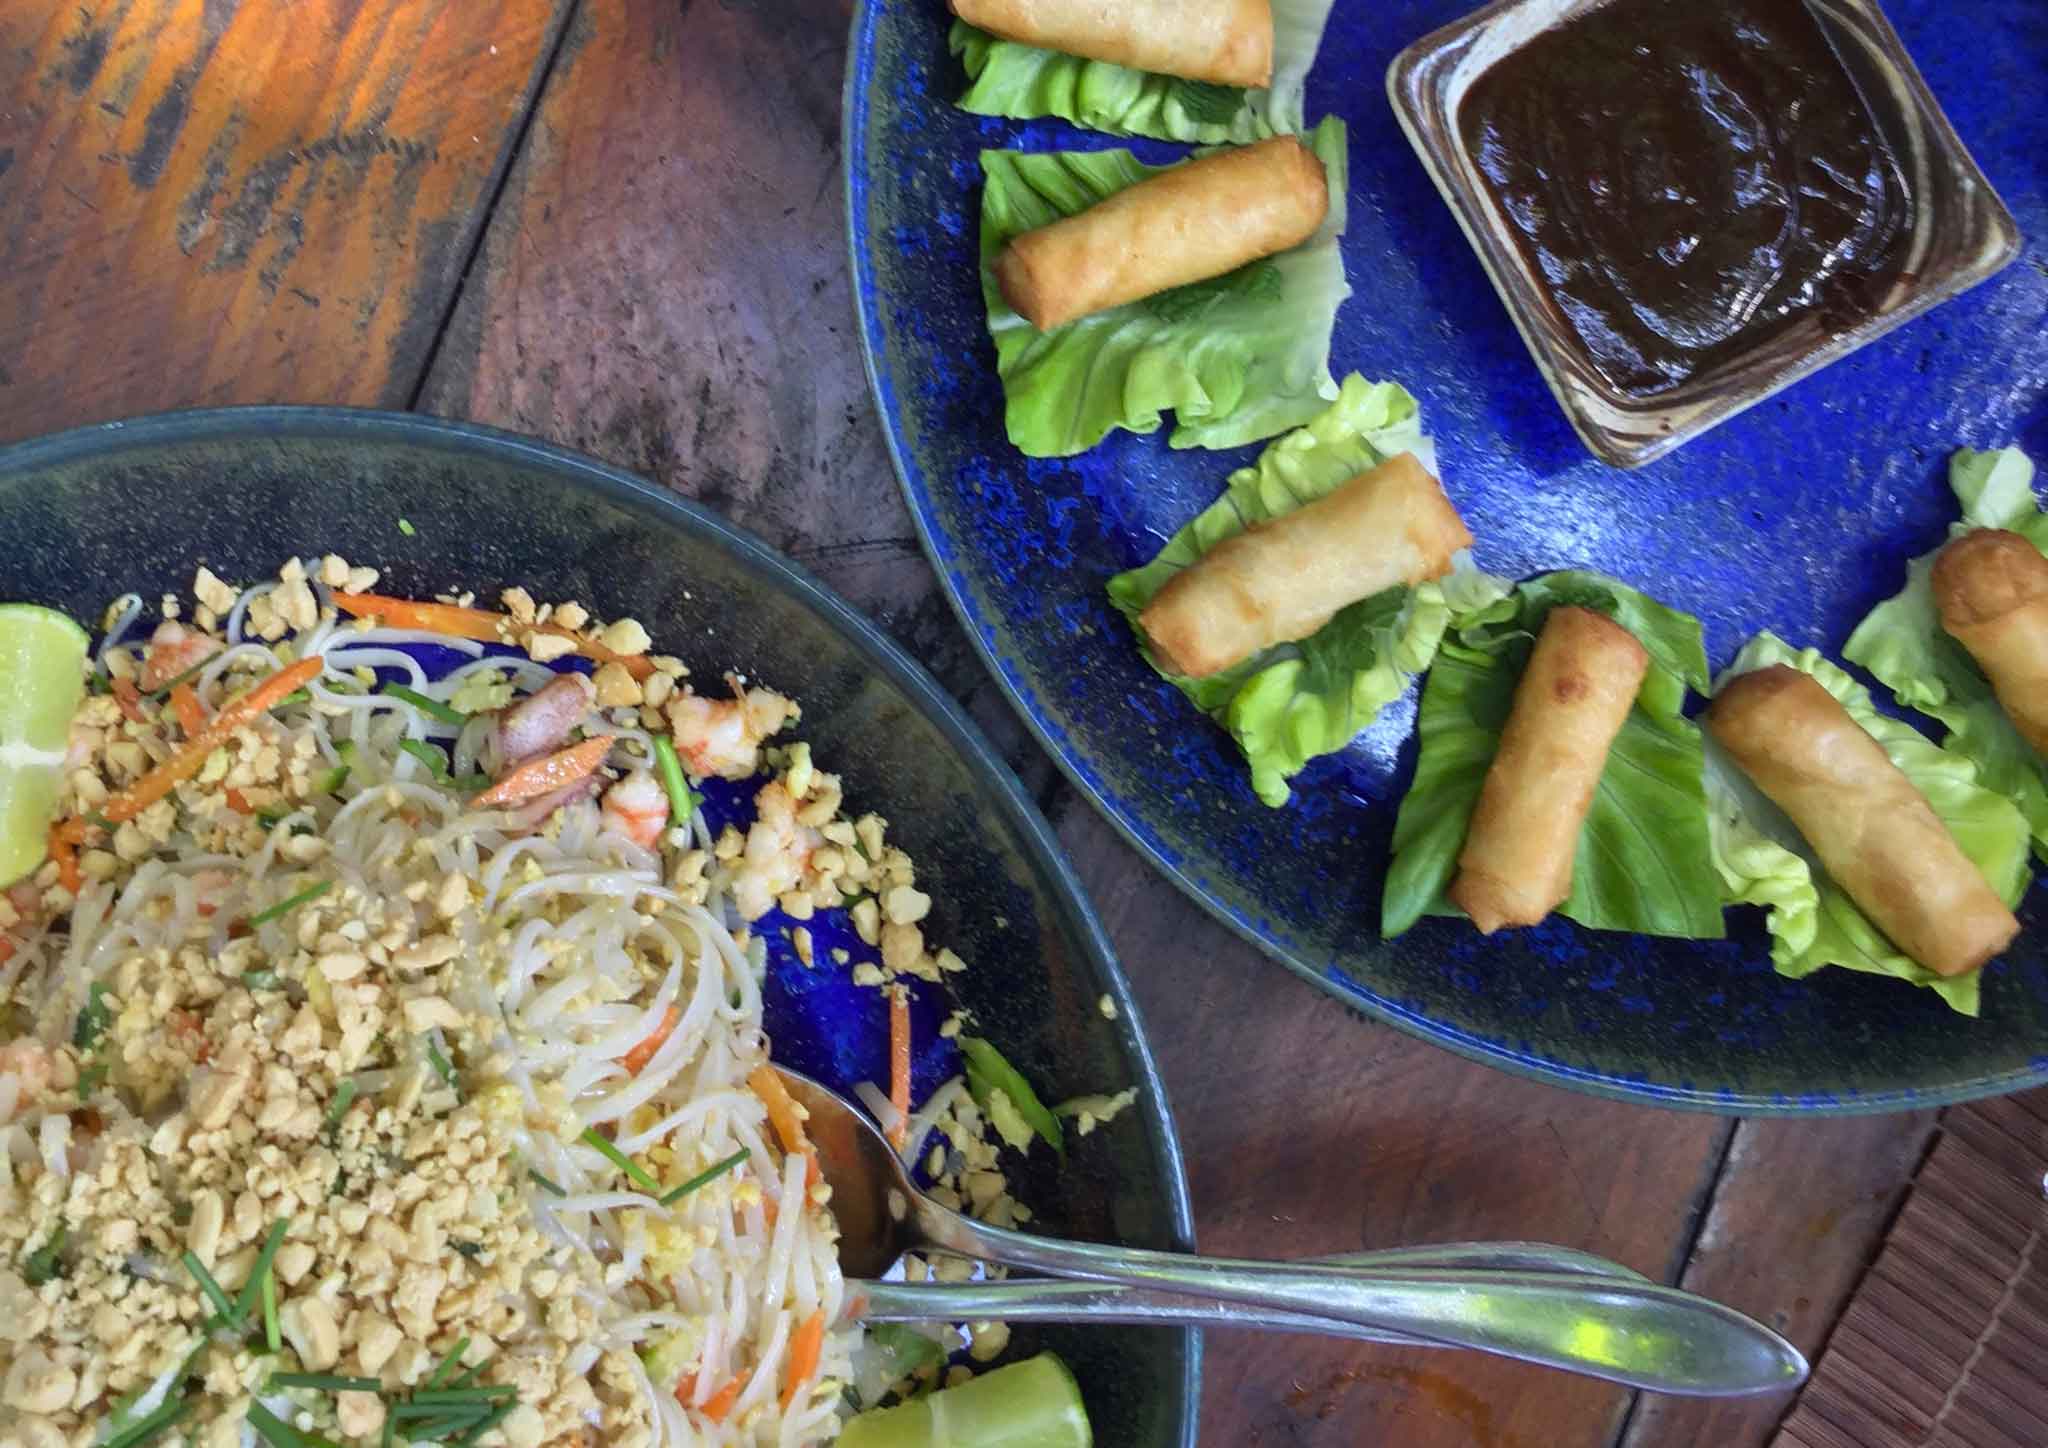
column 222, row 201
column 1800, row 1211
column 664, row 285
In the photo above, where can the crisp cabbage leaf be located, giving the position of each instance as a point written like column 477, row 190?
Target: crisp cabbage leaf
column 1903, row 644
column 1288, row 704
column 1024, row 82
column 1763, row 860
column 1238, row 358
column 1643, row 861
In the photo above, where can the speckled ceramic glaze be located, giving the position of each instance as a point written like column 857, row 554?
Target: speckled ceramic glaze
column 88, row 514
column 1797, row 516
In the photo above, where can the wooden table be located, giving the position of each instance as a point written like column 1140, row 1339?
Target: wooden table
column 618, row 226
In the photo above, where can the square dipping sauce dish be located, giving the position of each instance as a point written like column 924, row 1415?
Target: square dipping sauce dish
column 1689, row 204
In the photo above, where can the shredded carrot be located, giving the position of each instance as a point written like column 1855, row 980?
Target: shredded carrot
column 238, row 802
column 804, row 1350
column 62, row 851
column 6, row 950
column 181, row 766
column 719, row 1403
column 899, row 1065
column 637, row 1058
column 787, row 1119
column 536, row 777
column 479, row 624
column 130, row 700
column 191, row 717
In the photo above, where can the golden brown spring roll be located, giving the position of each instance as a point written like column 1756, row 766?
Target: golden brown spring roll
column 1991, row 589
column 1186, row 224
column 1575, row 694
column 1282, row 579
column 1226, row 41
column 1875, row 833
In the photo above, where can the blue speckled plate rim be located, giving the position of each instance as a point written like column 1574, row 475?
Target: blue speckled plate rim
column 924, row 691
column 1331, row 979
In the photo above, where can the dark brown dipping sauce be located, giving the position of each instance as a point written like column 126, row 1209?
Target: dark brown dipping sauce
column 1688, row 178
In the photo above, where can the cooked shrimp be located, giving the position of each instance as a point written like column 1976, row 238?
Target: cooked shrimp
column 28, row 1061
column 776, row 852
column 173, row 650
column 723, row 736
column 637, row 808
column 542, row 721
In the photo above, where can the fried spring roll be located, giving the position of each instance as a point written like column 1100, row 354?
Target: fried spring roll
column 1575, row 694
column 1282, row 579
column 1226, row 41
column 1991, row 589
column 1874, row 832
column 1186, row 224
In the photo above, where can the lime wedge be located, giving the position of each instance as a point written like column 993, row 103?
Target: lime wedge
column 42, row 679
column 1032, row 1404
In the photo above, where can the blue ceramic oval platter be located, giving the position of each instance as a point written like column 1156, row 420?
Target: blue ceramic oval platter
column 1797, row 516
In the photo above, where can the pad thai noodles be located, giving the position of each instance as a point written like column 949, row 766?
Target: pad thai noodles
column 384, row 1056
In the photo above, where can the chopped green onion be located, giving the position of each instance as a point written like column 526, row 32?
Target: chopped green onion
column 101, row 821
column 432, row 708
column 332, row 781
column 93, row 1018
column 259, row 1274
column 143, row 1430
column 441, row 1066
column 491, row 1420
column 682, row 801
column 326, row 1382
column 343, row 1099
column 42, row 1264
column 619, row 1159
column 273, row 1334
column 273, row 815
column 437, row 766
column 406, row 528
column 162, row 691
column 706, row 1177
column 280, row 1434
column 989, row 1072
column 440, row 1372
column 468, row 1249
column 390, row 1432
column 290, row 903
column 547, row 1185
column 91, row 1079
column 483, row 1392
column 296, row 696
column 262, row 979
column 224, row 1305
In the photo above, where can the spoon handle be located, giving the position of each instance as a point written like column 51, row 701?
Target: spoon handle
column 1638, row 1333
column 1056, row 1300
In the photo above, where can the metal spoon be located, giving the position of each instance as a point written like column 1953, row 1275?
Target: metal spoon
column 1055, row 1300
column 1637, row 1333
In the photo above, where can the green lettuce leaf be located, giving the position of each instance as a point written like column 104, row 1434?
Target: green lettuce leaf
column 1286, row 705
column 1642, row 863
column 1023, row 82
column 1238, row 358
column 1903, row 644
column 1763, row 860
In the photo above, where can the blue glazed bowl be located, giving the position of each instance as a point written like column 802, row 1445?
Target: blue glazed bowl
column 88, row 514
column 1797, row 516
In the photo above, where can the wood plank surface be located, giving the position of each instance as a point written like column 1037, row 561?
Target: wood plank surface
column 1801, row 1209
column 663, row 284
column 222, row 201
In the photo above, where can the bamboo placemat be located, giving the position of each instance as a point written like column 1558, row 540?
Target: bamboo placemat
column 1945, row 1343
